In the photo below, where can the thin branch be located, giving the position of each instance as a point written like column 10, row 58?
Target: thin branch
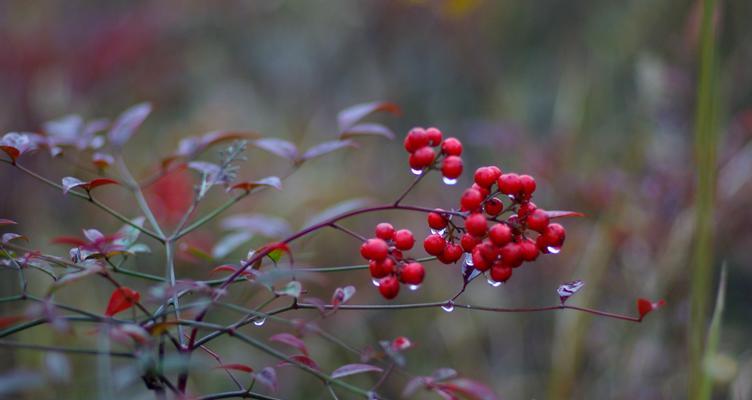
column 93, row 352
column 349, row 232
column 208, row 217
column 411, row 187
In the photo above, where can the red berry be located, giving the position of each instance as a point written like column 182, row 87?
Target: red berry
column 415, row 139
column 374, row 249
column 403, row 239
column 509, row 184
column 529, row 250
column 434, row 244
column 471, row 199
column 468, row 242
column 437, row 221
column 389, row 287
column 554, row 235
column 384, row 231
column 486, row 176
column 526, row 207
column 451, row 167
column 500, row 234
column 452, row 253
column 528, row 185
column 434, row 136
column 422, row 158
column 493, row 206
column 500, row 272
column 488, row 250
column 380, row 269
column 511, row 254
column 538, row 220
column 451, row 147
column 476, row 225
column 483, row 191
column 480, row 263
column 412, row 273
column 397, row 254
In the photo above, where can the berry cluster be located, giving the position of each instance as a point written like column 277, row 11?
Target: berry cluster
column 386, row 262
column 420, row 143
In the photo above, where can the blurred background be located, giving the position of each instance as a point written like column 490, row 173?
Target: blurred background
column 594, row 99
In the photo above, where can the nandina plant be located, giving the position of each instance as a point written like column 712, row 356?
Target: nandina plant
column 493, row 230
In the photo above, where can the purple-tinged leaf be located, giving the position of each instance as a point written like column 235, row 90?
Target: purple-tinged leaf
column 415, row 384
column 367, row 129
column 70, row 183
column 350, row 116
column 7, row 237
column 337, row 209
column 266, row 225
column 127, row 123
column 562, row 214
column 468, row 388
column 4, row 221
column 93, row 235
column 206, row 168
column 102, row 160
column 566, row 290
column 128, row 333
column 342, row 295
column 191, row 146
column 292, row 289
column 290, row 340
column 318, row 303
column 230, row 242
column 268, row 378
column 279, row 147
column 74, row 276
column 301, row 359
column 235, row 367
column 327, row 147
column 14, row 144
column 352, row 369
column 269, row 181
column 442, row 374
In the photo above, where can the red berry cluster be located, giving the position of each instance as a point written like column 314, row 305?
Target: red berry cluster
column 420, row 143
column 495, row 243
column 386, row 261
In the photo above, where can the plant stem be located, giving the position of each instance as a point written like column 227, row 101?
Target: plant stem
column 29, row 346
column 208, row 217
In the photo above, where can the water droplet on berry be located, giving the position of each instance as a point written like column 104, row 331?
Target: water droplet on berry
column 375, row 282
column 469, row 260
column 414, row 287
column 438, row 231
column 553, row 249
column 259, row 321
column 449, row 181
column 416, row 171
column 448, row 307
column 493, row 282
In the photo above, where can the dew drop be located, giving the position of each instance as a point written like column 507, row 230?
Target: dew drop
column 448, row 307
column 416, row 171
column 375, row 282
column 493, row 282
column 469, row 260
column 259, row 321
column 438, row 231
column 414, row 287
column 553, row 249
column 449, row 181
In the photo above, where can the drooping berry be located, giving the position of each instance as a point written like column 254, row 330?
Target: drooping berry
column 415, row 139
column 403, row 239
column 488, row 250
column 468, row 242
column 434, row 136
column 471, row 199
column 412, row 273
column 384, row 231
column 500, row 234
column 436, row 220
column 552, row 236
column 434, row 244
column 389, row 287
column 476, row 225
column 422, row 158
column 528, row 185
column 509, row 184
column 537, row 220
column 493, row 207
column 452, row 253
column 511, row 254
column 380, row 269
column 486, row 176
column 451, row 147
column 484, row 192
column 479, row 262
column 526, row 207
column 451, row 167
column 374, row 249
column 500, row 272
column 529, row 250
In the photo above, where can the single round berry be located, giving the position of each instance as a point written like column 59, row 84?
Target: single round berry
column 554, row 235
column 422, row 158
column 412, row 273
column 468, row 242
column 511, row 254
column 452, row 253
column 471, row 199
column 486, row 176
column 509, row 184
column 451, row 167
column 374, row 249
column 434, row 244
column 380, row 269
column 500, row 234
column 529, row 250
column 484, row 192
column 451, row 147
column 526, row 207
column 415, row 139
column 500, row 272
column 538, row 220
column 488, row 250
column 493, row 206
column 389, row 287
column 403, row 239
column 476, row 225
column 434, row 136
column 479, row 262
column 384, row 231
column 436, row 220
column 528, row 185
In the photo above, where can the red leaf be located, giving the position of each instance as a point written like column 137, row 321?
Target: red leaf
column 4, row 221
column 351, row 115
column 561, row 214
column 122, row 299
column 271, row 181
column 102, row 160
column 468, row 388
column 290, row 340
column 401, row 343
column 12, row 152
column 278, row 147
column 127, row 123
column 644, row 307
column 302, row 359
column 7, row 237
column 71, row 240
column 100, row 182
column 191, row 146
column 236, row 367
column 10, row 320
column 352, row 369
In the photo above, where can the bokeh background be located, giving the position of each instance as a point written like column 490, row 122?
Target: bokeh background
column 595, row 99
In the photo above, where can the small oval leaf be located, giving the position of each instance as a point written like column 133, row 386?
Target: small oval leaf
column 127, row 123
column 352, row 369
